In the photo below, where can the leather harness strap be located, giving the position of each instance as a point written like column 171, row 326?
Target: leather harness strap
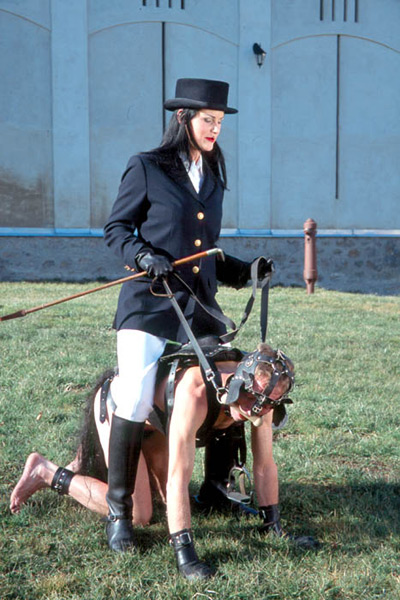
column 103, row 398
column 263, row 284
column 210, row 373
column 170, row 389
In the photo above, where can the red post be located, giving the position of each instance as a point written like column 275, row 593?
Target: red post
column 310, row 273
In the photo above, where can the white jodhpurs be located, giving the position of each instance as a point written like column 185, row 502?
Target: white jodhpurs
column 133, row 389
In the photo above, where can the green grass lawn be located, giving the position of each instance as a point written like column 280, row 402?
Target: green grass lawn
column 338, row 458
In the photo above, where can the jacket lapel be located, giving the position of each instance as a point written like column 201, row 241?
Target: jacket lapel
column 207, row 186
column 188, row 187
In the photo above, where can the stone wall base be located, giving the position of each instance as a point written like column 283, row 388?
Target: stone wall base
column 348, row 264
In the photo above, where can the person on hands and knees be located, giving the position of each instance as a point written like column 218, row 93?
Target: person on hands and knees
column 254, row 389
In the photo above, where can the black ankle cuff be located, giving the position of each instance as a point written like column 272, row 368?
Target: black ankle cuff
column 182, row 542
column 61, row 481
column 181, row 538
column 187, row 561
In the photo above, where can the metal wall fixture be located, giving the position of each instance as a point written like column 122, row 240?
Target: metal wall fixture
column 260, row 54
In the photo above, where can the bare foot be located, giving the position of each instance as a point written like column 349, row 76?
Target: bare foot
column 38, row 474
column 75, row 464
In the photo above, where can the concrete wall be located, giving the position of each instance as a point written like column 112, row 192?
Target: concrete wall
column 364, row 265
column 317, row 134
column 26, row 174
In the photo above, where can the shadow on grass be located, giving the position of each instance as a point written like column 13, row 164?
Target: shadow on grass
column 351, row 518
column 346, row 519
column 356, row 513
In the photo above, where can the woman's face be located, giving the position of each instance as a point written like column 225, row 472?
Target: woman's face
column 205, row 127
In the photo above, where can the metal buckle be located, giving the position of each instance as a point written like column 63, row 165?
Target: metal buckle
column 185, row 538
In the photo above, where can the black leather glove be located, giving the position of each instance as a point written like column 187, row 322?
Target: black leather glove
column 265, row 266
column 156, row 265
column 271, row 522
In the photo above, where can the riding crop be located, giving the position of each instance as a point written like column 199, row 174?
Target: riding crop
column 176, row 263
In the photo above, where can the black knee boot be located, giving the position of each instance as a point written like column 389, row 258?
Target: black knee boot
column 125, row 444
column 220, row 456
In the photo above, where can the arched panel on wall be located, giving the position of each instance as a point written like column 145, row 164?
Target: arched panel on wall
column 125, row 91
column 128, row 77
column 303, row 133
column 335, row 114
column 335, row 134
column 369, row 168
column 26, row 185
column 194, row 52
column 220, row 18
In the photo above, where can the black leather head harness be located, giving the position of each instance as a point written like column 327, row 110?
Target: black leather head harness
column 243, row 378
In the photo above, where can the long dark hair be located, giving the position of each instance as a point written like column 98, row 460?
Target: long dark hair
column 178, row 139
column 90, row 452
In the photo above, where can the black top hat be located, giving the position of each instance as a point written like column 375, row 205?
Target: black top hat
column 200, row 93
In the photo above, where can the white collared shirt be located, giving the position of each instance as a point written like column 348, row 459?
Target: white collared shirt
column 195, row 171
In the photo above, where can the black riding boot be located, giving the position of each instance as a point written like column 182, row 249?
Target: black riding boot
column 219, row 458
column 125, row 444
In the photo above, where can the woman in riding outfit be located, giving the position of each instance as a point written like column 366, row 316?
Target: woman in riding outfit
column 169, row 206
